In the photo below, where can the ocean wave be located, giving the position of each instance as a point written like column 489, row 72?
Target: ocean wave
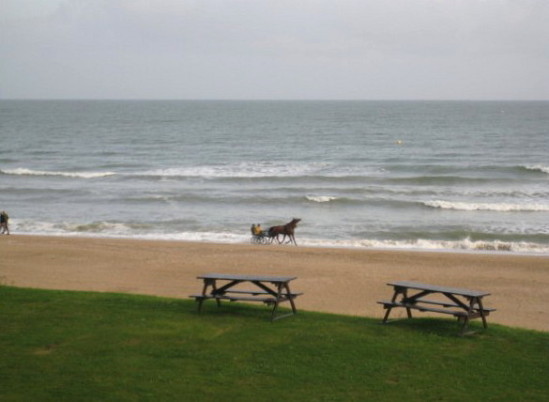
column 145, row 231
column 320, row 198
column 259, row 169
column 464, row 245
column 240, row 170
column 538, row 168
column 311, row 169
column 484, row 206
column 79, row 175
column 119, row 230
column 106, row 227
column 439, row 180
column 115, row 229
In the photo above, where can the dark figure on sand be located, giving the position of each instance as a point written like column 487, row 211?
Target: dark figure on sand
column 4, row 218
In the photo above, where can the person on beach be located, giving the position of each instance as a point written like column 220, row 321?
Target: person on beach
column 258, row 235
column 256, row 230
column 4, row 228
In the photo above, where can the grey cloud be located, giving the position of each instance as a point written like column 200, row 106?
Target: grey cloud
column 281, row 49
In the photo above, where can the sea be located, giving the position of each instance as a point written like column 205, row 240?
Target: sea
column 420, row 175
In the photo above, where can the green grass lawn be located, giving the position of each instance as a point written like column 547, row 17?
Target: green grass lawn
column 78, row 346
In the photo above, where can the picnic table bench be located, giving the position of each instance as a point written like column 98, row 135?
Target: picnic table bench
column 271, row 290
column 464, row 304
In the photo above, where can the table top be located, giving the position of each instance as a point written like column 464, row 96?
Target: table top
column 441, row 289
column 259, row 278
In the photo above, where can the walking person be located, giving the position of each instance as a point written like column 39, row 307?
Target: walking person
column 4, row 218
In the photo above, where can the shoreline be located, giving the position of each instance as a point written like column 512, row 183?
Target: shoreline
column 333, row 280
column 322, row 246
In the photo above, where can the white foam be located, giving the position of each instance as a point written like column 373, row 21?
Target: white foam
column 433, row 245
column 242, row 170
column 81, row 175
column 121, row 230
column 484, row 206
column 69, row 228
column 540, row 168
column 320, row 198
column 118, row 230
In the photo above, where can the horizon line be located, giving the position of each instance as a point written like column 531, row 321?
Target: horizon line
column 274, row 100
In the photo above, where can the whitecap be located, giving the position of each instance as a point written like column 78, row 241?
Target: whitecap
column 241, row 170
column 320, row 198
column 463, row 245
column 484, row 206
column 81, row 175
column 539, row 168
column 104, row 229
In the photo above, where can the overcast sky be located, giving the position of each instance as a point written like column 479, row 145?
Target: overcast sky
column 274, row 49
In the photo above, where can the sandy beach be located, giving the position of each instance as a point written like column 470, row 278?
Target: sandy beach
column 345, row 281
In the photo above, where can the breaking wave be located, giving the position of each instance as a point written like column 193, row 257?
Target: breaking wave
column 538, row 168
column 320, row 198
column 484, row 206
column 79, row 175
column 240, row 170
column 147, row 231
column 463, row 245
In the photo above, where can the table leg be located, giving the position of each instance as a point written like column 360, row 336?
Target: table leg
column 207, row 284
column 403, row 299
column 201, row 300
column 287, row 287
column 386, row 317
column 478, row 301
column 214, row 291
column 405, row 296
column 396, row 292
column 275, row 307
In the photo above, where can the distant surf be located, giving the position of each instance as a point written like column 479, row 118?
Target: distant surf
column 150, row 231
column 80, row 175
column 320, row 198
column 498, row 207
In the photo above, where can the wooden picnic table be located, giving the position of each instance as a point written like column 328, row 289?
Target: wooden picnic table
column 271, row 290
column 465, row 304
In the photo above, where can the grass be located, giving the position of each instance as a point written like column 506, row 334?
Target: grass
column 83, row 346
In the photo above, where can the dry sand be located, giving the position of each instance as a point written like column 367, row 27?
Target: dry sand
column 333, row 280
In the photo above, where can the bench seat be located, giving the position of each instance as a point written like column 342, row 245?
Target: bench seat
column 486, row 310
column 253, row 298
column 249, row 292
column 390, row 304
column 269, row 299
column 442, row 303
column 261, row 292
column 420, row 307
